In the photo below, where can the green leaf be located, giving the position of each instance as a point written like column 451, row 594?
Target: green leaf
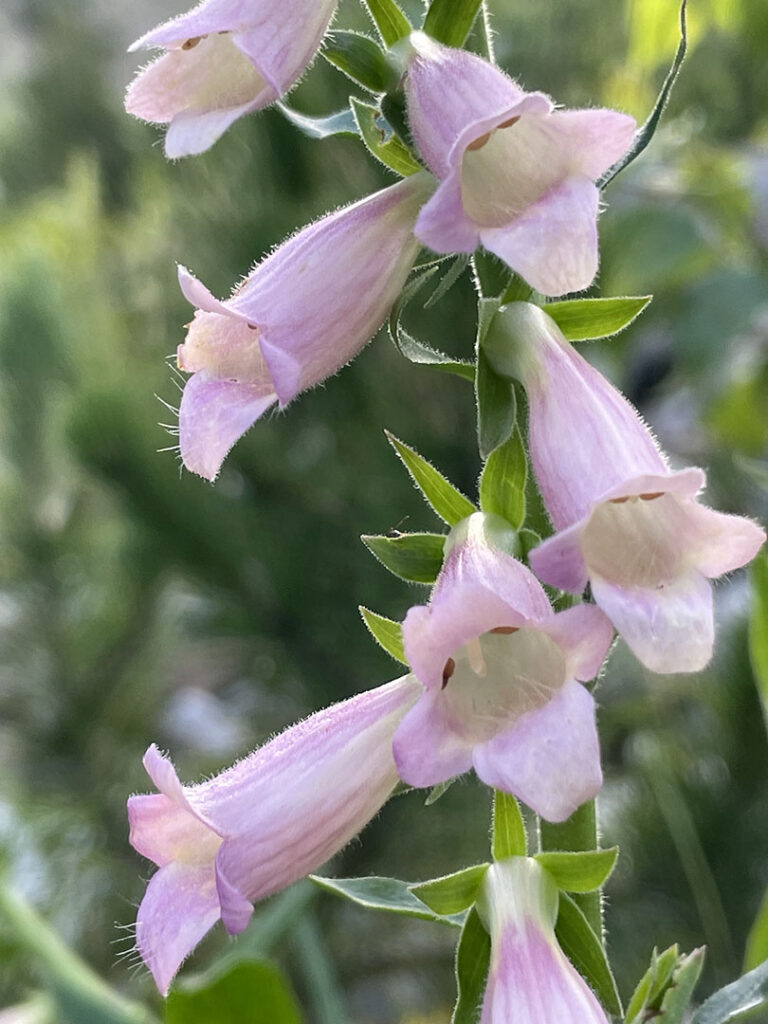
column 677, row 997
column 646, row 133
column 438, row 791
column 749, row 992
column 451, row 21
column 502, row 483
column 452, row 893
column 582, row 319
column 362, row 60
column 586, row 953
column 249, row 993
column 496, row 406
column 473, row 956
column 386, row 632
column 388, row 894
column 448, row 280
column 528, row 540
column 416, row 557
column 757, row 941
column 584, row 871
column 381, row 141
column 758, row 629
column 389, row 20
column 650, row 988
column 509, row 836
column 424, row 355
column 341, row 123
column 448, row 501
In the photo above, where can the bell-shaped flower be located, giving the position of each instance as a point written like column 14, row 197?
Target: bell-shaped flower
column 530, row 981
column 298, row 317
column 223, row 59
column 500, row 671
column 515, row 174
column 627, row 523
column 273, row 818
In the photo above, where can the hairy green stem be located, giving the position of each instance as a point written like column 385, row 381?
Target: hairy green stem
column 579, row 832
column 487, row 33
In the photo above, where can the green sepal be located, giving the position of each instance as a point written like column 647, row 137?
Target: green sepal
column 415, row 557
column 341, row 123
column 585, row 951
column 503, row 480
column 583, row 871
column 509, row 837
column 583, row 319
column 528, row 540
column 496, row 406
column 677, row 998
column 362, row 60
column 390, row 894
column 389, row 20
column 386, row 632
column 451, row 21
column 651, row 987
column 438, row 791
column 473, row 957
column 251, row 992
column 447, row 501
column 749, row 992
column 452, row 893
column 458, row 265
column 381, row 141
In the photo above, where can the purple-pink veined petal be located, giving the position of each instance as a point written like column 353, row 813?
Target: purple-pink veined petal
column 163, row 829
column 443, row 225
column 559, row 561
column 212, row 416
column 584, row 634
column 198, row 295
column 179, row 907
column 428, row 748
column 670, row 627
column 595, row 139
column 550, row 758
column 204, row 19
column 236, row 909
column 553, row 244
column 192, row 134
column 716, row 542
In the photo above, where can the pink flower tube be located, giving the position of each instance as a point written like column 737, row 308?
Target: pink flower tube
column 299, row 316
column 515, row 174
column 500, row 671
column 224, row 58
column 530, row 980
column 261, row 825
column 626, row 523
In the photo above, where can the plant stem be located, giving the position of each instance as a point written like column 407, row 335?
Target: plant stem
column 487, row 33
column 579, row 832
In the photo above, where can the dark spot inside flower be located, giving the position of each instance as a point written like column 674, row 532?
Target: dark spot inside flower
column 510, row 122
column 652, row 497
column 505, row 630
column 252, row 327
column 619, row 501
column 190, row 44
column 450, row 668
column 479, row 143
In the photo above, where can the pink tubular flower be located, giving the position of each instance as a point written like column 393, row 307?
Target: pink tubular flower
column 515, row 174
column 299, row 316
column 500, row 672
column 627, row 523
column 530, row 980
column 261, row 825
column 224, row 58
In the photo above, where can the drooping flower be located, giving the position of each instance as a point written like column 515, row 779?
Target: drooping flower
column 224, row 58
column 261, row 825
column 298, row 317
column 515, row 174
column 627, row 523
column 530, row 980
column 500, row 671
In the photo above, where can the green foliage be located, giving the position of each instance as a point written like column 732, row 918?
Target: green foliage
column 451, row 21
column 509, row 838
column 583, row 871
column 756, row 951
column 583, row 319
column 452, row 893
column 386, row 632
column 361, row 59
column 473, row 955
column 748, row 993
column 447, row 501
column 416, row 557
column 503, row 480
column 388, row 894
column 381, row 141
column 677, row 998
column 389, row 20
column 585, row 951
column 248, row 993
column 647, row 996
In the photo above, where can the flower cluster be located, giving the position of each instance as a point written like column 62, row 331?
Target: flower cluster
column 498, row 676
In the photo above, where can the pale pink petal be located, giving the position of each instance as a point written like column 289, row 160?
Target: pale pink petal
column 717, row 543
column 443, row 225
column 163, row 829
column 192, row 134
column 179, row 907
column 197, row 294
column 685, row 483
column 236, row 909
column 595, row 139
column 560, row 562
column 212, row 416
column 669, row 627
column 585, row 635
column 428, row 747
column 553, row 244
column 207, row 18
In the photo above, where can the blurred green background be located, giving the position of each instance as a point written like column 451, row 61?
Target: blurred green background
column 140, row 604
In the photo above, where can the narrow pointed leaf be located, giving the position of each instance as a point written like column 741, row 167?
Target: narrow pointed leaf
column 510, row 838
column 448, row 501
column 386, row 632
column 416, row 557
column 586, row 953
column 583, row 871
column 388, row 894
column 451, row 21
column 502, row 484
column 582, row 319
column 418, row 352
column 677, row 998
column 453, row 893
column 438, row 791
column 449, row 279
column 342, row 123
column 749, row 992
column 650, row 988
column 389, row 20
column 381, row 141
column 361, row 59
column 473, row 956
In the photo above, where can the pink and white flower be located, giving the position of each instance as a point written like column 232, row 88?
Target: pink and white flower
column 223, row 59
column 627, row 524
column 299, row 316
column 515, row 174
column 273, row 818
column 500, row 671
column 530, row 980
